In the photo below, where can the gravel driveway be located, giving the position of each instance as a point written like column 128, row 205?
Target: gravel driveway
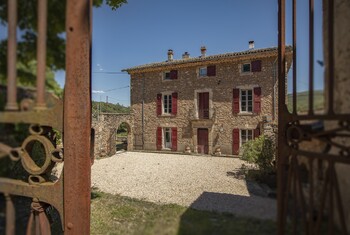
column 201, row 182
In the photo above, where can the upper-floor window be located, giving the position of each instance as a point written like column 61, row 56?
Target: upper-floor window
column 207, row 71
column 167, row 75
column 251, row 66
column 246, row 101
column 170, row 75
column 203, row 71
column 167, row 105
column 246, row 68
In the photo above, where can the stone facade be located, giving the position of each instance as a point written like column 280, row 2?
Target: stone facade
column 148, row 81
column 105, row 133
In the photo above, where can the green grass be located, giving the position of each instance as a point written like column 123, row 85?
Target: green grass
column 303, row 100
column 113, row 214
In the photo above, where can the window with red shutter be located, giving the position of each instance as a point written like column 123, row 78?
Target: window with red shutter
column 174, row 139
column 159, row 104
column 256, row 66
column 256, row 132
column 159, row 135
column 174, row 103
column 211, row 70
column 257, row 100
column 235, row 102
column 173, row 74
column 235, row 141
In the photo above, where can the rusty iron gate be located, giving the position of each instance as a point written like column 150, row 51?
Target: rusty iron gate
column 45, row 116
column 313, row 148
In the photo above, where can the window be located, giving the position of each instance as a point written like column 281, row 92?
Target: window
column 170, row 75
column 246, row 135
column 208, row 71
column 246, row 101
column 167, row 75
column 246, row 68
column 166, row 138
column 203, row 72
column 167, row 105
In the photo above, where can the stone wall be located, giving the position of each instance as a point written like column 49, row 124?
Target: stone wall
column 105, row 133
column 220, row 87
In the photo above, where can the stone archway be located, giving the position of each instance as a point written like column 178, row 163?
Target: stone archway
column 105, row 133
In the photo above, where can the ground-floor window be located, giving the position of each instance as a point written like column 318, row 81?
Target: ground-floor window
column 167, row 138
column 246, row 135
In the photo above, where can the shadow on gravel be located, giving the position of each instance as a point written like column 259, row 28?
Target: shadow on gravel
column 239, row 215
column 248, row 206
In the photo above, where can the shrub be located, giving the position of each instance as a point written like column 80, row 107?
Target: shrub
column 261, row 152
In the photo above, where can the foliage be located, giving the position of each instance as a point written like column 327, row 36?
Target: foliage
column 261, row 152
column 27, row 36
column 102, row 107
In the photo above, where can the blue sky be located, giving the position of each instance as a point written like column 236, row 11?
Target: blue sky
column 142, row 31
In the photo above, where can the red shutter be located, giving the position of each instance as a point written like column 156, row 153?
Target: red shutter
column 235, row 141
column 256, row 66
column 211, row 70
column 174, row 139
column 174, row 103
column 256, row 132
column 257, row 100
column 159, row 104
column 235, row 102
column 173, row 74
column 159, row 138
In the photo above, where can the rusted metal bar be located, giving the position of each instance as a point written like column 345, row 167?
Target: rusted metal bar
column 311, row 196
column 331, row 204
column 77, row 118
column 12, row 56
column 10, row 215
column 294, row 57
column 41, row 54
column 330, row 46
column 340, row 204
column 311, row 57
column 281, row 106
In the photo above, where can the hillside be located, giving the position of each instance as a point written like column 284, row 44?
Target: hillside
column 302, row 101
column 108, row 108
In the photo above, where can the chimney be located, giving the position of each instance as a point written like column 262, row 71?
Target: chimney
column 170, row 55
column 185, row 55
column 251, row 45
column 203, row 51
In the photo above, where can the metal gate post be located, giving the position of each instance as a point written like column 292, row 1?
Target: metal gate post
column 77, row 118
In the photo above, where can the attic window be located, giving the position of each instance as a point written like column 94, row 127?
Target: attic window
column 203, row 71
column 167, row 75
column 246, row 68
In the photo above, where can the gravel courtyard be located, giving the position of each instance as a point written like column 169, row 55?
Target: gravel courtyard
column 201, row 182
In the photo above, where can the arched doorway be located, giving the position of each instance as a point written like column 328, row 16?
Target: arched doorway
column 122, row 137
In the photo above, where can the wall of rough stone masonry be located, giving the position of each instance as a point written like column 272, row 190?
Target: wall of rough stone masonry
column 228, row 76
column 105, row 133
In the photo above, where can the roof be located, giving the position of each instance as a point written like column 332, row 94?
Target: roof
column 232, row 55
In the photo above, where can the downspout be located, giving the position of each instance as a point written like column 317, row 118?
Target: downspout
column 274, row 90
column 142, row 111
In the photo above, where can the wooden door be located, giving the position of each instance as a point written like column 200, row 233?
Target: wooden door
column 203, row 105
column 202, row 136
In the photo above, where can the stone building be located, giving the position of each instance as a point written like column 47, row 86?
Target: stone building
column 210, row 104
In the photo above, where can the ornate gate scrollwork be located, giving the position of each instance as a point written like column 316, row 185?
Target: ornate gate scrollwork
column 314, row 145
column 31, row 186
